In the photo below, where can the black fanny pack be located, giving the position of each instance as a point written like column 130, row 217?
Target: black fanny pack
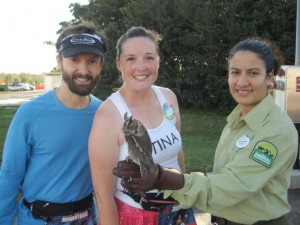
column 152, row 201
column 44, row 209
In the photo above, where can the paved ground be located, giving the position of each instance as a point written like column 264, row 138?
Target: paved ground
column 17, row 98
column 293, row 216
column 294, row 199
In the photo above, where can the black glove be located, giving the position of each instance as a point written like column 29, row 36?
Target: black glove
column 164, row 179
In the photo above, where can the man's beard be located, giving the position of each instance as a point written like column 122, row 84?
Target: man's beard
column 81, row 90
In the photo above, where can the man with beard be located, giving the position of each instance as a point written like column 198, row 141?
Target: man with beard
column 45, row 156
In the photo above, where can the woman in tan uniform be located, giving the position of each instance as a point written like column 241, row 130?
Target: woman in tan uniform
column 255, row 154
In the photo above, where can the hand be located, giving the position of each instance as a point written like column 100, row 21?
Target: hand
column 132, row 179
column 164, row 179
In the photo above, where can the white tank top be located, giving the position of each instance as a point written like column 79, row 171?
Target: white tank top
column 165, row 138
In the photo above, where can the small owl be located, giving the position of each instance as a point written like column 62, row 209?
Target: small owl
column 139, row 145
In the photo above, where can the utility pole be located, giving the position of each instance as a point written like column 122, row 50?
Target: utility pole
column 297, row 54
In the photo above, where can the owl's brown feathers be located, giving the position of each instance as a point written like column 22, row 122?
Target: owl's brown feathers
column 139, row 145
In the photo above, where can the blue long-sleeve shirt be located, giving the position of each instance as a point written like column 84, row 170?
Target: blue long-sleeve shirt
column 45, row 156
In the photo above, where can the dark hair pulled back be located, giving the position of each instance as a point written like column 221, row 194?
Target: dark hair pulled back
column 264, row 49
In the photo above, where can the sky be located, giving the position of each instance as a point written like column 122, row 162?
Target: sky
column 25, row 26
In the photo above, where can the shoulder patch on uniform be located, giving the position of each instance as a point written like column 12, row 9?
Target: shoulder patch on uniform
column 264, row 153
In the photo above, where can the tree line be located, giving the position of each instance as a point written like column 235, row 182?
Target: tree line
column 11, row 78
column 197, row 35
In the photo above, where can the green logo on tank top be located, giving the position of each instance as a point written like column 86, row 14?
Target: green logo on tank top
column 169, row 111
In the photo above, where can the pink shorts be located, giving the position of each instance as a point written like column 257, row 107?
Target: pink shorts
column 129, row 215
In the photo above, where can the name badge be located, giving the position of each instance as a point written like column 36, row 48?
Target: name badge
column 242, row 142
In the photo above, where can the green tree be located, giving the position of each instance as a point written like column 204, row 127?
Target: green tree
column 8, row 79
column 23, row 78
column 197, row 35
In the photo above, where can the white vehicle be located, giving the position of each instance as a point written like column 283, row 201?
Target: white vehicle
column 19, row 87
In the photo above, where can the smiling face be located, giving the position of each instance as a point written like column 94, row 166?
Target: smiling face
column 80, row 72
column 248, row 80
column 138, row 63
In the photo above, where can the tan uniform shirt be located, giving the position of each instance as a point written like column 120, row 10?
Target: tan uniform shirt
column 252, row 168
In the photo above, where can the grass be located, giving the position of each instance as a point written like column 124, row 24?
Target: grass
column 6, row 115
column 200, row 134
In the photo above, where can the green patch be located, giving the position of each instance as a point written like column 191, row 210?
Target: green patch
column 169, row 111
column 264, row 153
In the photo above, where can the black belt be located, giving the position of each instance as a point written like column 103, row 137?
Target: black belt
column 279, row 221
column 151, row 201
column 44, row 210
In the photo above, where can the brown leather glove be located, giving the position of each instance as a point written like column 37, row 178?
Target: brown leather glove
column 165, row 179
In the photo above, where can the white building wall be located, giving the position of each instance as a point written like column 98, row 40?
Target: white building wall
column 52, row 80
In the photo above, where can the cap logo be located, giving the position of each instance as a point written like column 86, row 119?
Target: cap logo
column 81, row 43
column 82, row 40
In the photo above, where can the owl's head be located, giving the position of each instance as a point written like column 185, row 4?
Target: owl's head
column 129, row 126
column 132, row 126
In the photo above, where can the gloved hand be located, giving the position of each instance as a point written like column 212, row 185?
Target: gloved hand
column 164, row 179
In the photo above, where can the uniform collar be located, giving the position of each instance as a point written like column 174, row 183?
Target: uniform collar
column 256, row 117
